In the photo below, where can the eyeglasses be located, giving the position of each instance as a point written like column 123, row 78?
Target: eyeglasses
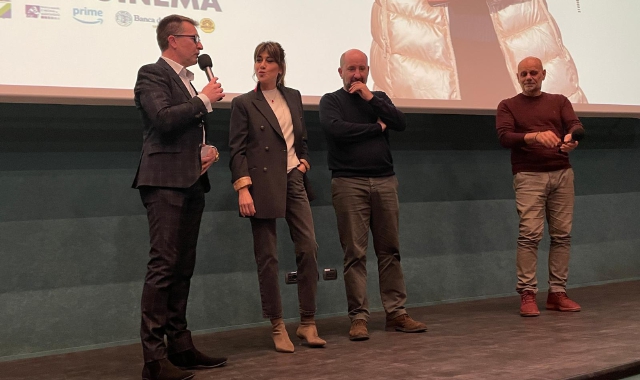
column 195, row 37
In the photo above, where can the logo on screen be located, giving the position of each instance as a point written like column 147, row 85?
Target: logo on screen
column 151, row 20
column 5, row 8
column 202, row 5
column 88, row 16
column 124, row 18
column 207, row 25
column 45, row 13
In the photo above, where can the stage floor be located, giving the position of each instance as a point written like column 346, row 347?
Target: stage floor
column 484, row 339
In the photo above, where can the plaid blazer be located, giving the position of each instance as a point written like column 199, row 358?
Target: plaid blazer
column 172, row 135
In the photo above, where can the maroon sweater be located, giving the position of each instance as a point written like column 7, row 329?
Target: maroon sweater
column 523, row 114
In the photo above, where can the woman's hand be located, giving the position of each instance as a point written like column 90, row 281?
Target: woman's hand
column 245, row 202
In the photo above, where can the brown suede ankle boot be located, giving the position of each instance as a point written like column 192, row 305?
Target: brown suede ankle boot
column 280, row 336
column 308, row 331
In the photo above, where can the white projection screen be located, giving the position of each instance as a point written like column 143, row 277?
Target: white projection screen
column 456, row 56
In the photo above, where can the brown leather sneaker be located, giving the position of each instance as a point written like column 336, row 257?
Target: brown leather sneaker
column 406, row 324
column 528, row 306
column 358, row 330
column 559, row 301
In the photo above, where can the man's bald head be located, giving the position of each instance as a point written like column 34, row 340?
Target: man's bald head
column 353, row 53
column 354, row 67
column 530, row 62
column 530, row 76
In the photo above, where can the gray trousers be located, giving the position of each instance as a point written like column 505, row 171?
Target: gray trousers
column 362, row 204
column 540, row 195
column 300, row 221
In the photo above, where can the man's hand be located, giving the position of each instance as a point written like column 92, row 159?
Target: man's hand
column 245, row 202
column 213, row 90
column 211, row 157
column 384, row 126
column 361, row 89
column 546, row 138
column 568, row 145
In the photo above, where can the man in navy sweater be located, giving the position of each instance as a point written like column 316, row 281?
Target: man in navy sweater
column 364, row 189
column 538, row 128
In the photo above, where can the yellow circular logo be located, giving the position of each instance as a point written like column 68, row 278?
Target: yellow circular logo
column 207, row 25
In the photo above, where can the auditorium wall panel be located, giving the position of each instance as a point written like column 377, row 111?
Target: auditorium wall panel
column 74, row 238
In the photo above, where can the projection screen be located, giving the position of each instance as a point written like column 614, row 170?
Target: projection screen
column 456, row 56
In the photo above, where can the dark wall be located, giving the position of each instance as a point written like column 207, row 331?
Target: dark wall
column 74, row 238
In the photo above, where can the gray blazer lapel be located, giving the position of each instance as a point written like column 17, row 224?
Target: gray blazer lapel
column 261, row 104
column 293, row 103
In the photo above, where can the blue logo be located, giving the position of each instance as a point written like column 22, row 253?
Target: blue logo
column 88, row 16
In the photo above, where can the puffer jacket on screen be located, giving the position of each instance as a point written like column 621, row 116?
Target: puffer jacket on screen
column 412, row 55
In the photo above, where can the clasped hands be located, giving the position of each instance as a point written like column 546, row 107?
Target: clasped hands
column 550, row 140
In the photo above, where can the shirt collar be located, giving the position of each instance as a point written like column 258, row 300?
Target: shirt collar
column 179, row 69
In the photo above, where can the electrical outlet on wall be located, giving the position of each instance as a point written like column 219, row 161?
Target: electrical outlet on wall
column 291, row 278
column 329, row 274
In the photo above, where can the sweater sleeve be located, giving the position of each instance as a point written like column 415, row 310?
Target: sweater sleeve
column 569, row 117
column 336, row 127
column 387, row 112
column 505, row 126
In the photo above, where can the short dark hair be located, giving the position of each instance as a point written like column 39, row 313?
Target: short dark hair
column 276, row 52
column 169, row 26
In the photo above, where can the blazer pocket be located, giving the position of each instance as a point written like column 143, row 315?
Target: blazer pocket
column 156, row 148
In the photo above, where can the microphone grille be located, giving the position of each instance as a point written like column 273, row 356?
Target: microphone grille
column 577, row 135
column 204, row 61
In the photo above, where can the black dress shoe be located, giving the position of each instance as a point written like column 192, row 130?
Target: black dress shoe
column 163, row 370
column 194, row 359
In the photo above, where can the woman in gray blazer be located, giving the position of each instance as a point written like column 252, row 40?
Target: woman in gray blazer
column 268, row 142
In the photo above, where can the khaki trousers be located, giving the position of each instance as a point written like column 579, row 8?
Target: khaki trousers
column 540, row 195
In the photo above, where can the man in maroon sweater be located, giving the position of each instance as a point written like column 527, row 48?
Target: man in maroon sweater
column 537, row 127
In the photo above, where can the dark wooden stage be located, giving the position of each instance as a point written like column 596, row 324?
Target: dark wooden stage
column 484, row 339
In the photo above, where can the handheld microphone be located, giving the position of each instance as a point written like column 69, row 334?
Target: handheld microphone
column 576, row 135
column 205, row 63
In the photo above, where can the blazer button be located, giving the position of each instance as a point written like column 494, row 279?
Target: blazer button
column 264, row 169
column 266, row 148
column 262, row 127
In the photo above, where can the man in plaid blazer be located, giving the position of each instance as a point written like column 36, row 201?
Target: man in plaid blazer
column 172, row 180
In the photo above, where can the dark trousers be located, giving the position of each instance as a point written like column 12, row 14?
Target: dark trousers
column 174, row 222
column 364, row 204
column 300, row 221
